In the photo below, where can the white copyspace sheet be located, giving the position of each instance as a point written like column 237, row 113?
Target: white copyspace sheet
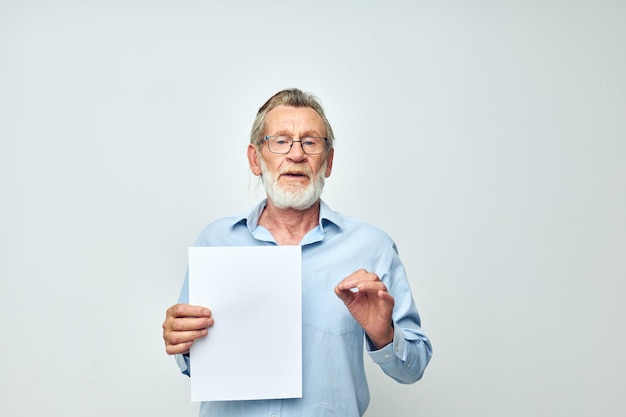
column 254, row 349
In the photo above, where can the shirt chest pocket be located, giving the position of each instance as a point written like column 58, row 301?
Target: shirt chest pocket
column 323, row 310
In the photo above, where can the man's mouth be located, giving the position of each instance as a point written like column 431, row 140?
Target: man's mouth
column 295, row 174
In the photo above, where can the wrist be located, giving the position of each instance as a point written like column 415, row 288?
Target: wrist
column 382, row 341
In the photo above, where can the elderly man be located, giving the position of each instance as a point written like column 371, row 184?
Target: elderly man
column 355, row 290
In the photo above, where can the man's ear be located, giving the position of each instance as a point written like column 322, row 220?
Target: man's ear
column 253, row 160
column 329, row 163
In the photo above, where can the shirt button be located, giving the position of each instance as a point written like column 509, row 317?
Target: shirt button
column 387, row 355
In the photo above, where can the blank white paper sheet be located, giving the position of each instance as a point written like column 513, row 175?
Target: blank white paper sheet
column 254, row 349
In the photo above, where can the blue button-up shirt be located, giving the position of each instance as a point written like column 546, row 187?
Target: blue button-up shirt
column 333, row 373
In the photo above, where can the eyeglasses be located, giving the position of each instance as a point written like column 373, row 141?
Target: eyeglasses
column 311, row 145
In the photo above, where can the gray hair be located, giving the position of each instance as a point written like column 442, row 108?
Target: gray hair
column 291, row 97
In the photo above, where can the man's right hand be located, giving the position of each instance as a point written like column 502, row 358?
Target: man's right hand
column 183, row 324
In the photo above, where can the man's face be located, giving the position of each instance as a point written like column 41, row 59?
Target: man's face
column 292, row 180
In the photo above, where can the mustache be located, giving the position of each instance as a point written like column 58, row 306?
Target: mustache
column 295, row 170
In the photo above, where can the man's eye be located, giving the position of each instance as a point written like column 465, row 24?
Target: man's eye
column 282, row 141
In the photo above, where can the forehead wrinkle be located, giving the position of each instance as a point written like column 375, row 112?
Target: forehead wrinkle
column 305, row 134
column 295, row 121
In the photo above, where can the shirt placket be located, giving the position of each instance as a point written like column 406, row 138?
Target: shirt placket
column 275, row 408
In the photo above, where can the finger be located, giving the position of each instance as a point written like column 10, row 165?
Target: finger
column 387, row 298
column 374, row 286
column 345, row 295
column 183, row 338
column 188, row 310
column 353, row 280
column 187, row 323
column 367, row 287
column 179, row 349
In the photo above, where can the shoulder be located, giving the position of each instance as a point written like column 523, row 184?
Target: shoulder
column 217, row 232
column 361, row 229
column 232, row 230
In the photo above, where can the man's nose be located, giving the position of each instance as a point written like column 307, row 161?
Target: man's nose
column 297, row 150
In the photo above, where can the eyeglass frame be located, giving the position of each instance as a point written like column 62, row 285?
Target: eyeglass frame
column 267, row 138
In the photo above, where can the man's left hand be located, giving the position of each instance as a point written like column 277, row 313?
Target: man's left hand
column 367, row 299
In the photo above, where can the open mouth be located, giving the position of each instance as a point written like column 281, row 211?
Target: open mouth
column 295, row 174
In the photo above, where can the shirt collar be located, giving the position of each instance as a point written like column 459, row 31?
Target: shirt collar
column 251, row 219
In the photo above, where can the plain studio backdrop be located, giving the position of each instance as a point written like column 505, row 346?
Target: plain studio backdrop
column 488, row 138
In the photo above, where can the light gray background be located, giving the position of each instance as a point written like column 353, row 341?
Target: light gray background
column 486, row 137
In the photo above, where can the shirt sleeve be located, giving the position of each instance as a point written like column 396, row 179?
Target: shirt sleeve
column 403, row 359
column 183, row 363
column 406, row 357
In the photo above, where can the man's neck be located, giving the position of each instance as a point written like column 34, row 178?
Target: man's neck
column 289, row 226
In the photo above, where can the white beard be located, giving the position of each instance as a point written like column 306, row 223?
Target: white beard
column 298, row 197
